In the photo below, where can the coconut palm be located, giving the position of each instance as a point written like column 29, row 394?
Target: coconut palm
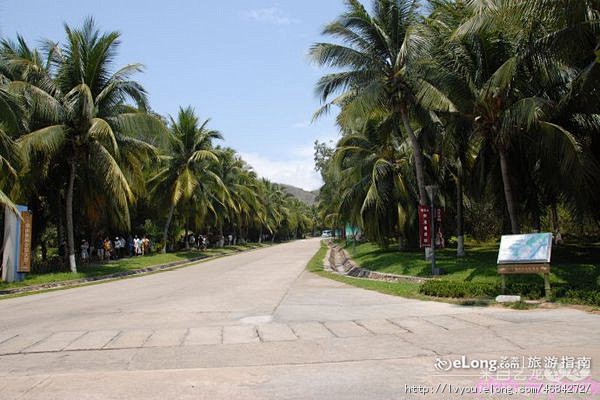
column 87, row 125
column 243, row 208
column 374, row 195
column 273, row 200
column 512, row 81
column 9, row 157
column 378, row 58
column 186, row 171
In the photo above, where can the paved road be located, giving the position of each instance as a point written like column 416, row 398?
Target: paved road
column 257, row 326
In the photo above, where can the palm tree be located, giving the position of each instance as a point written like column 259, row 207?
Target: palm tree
column 187, row 166
column 9, row 157
column 87, row 124
column 274, row 207
column 508, row 82
column 374, row 195
column 378, row 57
column 243, row 208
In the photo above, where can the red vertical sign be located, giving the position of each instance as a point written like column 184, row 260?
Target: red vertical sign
column 425, row 226
column 425, row 232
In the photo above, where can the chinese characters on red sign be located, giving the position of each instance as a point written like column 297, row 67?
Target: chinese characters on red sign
column 425, row 231
column 25, row 249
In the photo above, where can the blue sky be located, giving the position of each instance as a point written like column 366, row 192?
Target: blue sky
column 241, row 63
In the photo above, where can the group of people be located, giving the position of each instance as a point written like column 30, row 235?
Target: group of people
column 201, row 242
column 107, row 249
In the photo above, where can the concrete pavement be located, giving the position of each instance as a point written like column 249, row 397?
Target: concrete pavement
column 257, row 326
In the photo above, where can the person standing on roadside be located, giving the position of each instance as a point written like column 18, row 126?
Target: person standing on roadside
column 100, row 249
column 136, row 246
column 84, row 251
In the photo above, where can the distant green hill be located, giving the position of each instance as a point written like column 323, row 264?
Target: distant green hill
column 301, row 194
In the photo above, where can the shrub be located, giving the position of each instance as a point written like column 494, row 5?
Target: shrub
column 468, row 289
column 582, row 296
column 458, row 289
column 51, row 265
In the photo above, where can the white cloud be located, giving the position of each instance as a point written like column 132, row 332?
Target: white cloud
column 299, row 170
column 301, row 124
column 271, row 15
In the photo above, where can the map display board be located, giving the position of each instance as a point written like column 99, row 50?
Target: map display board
column 524, row 249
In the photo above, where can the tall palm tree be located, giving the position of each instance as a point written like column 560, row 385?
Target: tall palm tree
column 377, row 57
column 187, row 166
column 274, row 207
column 508, row 81
column 374, row 195
column 243, row 208
column 9, row 157
column 87, row 124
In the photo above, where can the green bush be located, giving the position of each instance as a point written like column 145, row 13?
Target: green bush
column 468, row 289
column 458, row 289
column 582, row 296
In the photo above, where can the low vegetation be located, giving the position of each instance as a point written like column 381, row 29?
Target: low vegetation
column 122, row 265
column 575, row 276
column 404, row 289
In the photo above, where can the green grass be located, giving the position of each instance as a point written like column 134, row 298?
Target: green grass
column 122, row 265
column 574, row 266
column 404, row 289
column 575, row 277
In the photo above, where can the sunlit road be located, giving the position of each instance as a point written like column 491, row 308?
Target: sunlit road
column 257, row 326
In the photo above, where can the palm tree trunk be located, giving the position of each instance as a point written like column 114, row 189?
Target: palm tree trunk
column 400, row 242
column 166, row 230
column 555, row 219
column 460, row 247
column 187, row 242
column 508, row 193
column 69, row 218
column 418, row 157
column 260, row 233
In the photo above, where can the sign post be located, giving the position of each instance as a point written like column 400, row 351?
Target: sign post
column 16, row 257
column 431, row 191
column 525, row 254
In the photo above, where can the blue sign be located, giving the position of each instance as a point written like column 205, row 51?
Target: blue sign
column 526, row 249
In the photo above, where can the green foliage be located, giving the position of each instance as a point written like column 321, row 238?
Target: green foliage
column 151, row 230
column 575, row 269
column 405, row 289
column 316, row 262
column 458, row 289
column 488, row 100
column 582, row 296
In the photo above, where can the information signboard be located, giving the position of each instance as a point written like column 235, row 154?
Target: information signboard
column 533, row 248
column 25, row 242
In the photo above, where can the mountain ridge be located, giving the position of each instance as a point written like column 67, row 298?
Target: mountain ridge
column 308, row 197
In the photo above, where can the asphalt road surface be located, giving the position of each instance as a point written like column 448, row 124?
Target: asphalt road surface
column 258, row 326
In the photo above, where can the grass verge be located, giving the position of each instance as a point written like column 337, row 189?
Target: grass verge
column 404, row 289
column 575, row 277
column 124, row 264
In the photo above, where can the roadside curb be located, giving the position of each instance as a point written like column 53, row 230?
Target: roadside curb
column 338, row 261
column 118, row 275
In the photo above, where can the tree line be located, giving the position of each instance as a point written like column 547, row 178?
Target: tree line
column 81, row 147
column 494, row 101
